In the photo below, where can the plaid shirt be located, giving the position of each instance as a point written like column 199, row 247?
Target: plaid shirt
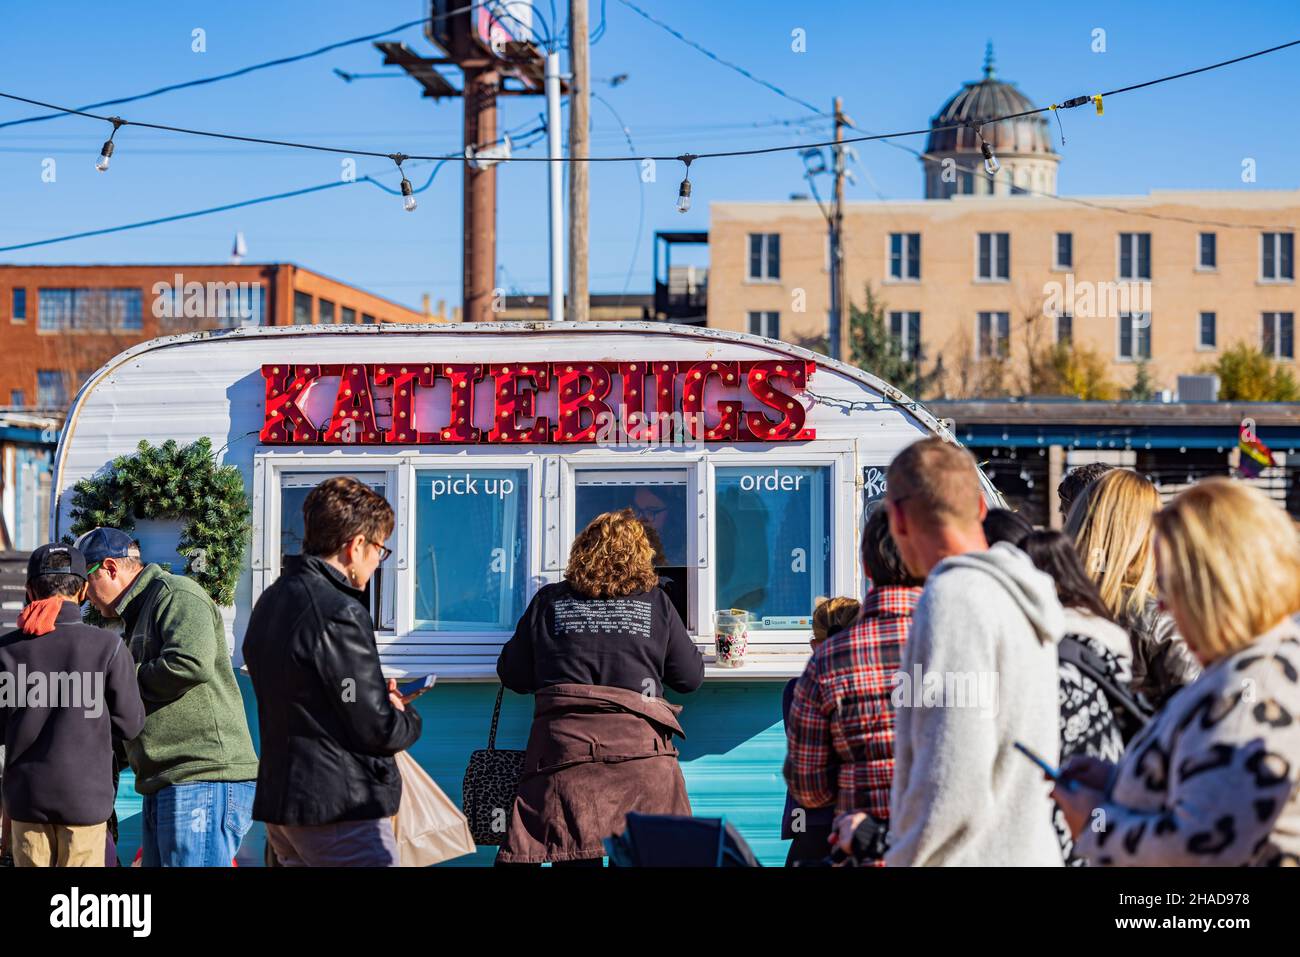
column 841, row 705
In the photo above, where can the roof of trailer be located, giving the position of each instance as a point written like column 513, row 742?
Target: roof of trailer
column 888, row 392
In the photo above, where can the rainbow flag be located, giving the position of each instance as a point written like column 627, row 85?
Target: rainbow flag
column 1255, row 455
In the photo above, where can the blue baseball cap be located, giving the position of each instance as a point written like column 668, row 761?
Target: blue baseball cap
column 100, row 543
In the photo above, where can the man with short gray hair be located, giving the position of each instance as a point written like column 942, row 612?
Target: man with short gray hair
column 194, row 762
column 978, row 675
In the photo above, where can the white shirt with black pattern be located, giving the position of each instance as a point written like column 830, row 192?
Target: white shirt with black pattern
column 1213, row 779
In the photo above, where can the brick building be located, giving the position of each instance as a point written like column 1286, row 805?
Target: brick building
column 996, row 267
column 58, row 324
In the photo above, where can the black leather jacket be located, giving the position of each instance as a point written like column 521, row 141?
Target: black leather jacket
column 1162, row 662
column 328, row 730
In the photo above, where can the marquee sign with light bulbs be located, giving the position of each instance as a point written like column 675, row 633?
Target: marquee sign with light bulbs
column 575, row 402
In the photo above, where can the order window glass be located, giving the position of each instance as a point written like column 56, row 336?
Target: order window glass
column 773, row 542
column 471, row 549
column 294, row 487
column 658, row 499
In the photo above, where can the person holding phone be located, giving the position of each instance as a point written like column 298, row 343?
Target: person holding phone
column 327, row 784
column 1212, row 780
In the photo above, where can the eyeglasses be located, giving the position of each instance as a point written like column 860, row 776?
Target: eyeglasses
column 651, row 512
column 384, row 550
column 93, row 568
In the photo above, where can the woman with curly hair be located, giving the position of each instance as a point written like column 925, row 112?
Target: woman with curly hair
column 597, row 651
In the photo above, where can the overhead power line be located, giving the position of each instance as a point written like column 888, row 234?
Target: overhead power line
column 687, row 158
column 243, row 71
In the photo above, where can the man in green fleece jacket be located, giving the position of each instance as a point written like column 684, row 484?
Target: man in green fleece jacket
column 194, row 762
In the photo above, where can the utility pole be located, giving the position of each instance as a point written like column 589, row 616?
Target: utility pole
column 555, row 194
column 480, row 195
column 579, row 125
column 839, row 288
column 497, row 58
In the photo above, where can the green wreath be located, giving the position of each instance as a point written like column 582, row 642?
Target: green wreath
column 171, row 482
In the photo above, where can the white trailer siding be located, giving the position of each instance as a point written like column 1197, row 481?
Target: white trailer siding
column 210, row 384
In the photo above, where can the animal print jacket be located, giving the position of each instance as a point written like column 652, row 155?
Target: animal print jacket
column 1214, row 779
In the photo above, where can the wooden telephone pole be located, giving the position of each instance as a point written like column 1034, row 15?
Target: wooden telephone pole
column 480, row 195
column 486, row 61
column 579, row 298
column 839, row 287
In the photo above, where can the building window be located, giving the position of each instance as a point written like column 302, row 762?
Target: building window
column 1064, row 251
column 773, row 542
column 1134, row 335
column 367, row 319
column 765, row 256
column 19, row 313
column 994, row 339
column 349, row 316
column 1134, row 256
column 302, row 309
column 1065, row 328
column 1277, row 262
column 905, row 333
column 1208, row 336
column 994, row 256
column 1207, row 251
column 51, row 389
column 1278, row 334
column 326, row 312
column 62, row 310
column 765, row 324
column 905, row 256
column 471, row 549
column 17, row 398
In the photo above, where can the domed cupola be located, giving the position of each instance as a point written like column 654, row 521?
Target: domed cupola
column 1023, row 145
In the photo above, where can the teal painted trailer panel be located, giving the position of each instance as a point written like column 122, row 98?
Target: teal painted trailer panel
column 731, row 757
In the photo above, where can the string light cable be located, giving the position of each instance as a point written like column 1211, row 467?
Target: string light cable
column 1054, row 108
column 684, row 191
column 715, row 154
column 244, row 71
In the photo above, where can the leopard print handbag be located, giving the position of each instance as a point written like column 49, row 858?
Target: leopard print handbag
column 491, row 781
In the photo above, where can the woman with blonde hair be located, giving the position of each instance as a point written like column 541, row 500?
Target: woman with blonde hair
column 597, row 651
column 1111, row 524
column 1212, row 780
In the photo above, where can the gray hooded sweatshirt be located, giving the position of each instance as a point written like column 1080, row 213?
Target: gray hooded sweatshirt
column 979, row 673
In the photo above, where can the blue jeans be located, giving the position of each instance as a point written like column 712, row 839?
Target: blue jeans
column 196, row 825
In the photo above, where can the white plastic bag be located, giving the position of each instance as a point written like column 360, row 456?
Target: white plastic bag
column 429, row 827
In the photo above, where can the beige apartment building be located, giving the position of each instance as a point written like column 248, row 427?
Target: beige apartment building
column 994, row 267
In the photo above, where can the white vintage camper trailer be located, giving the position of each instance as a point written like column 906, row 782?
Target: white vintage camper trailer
column 755, row 461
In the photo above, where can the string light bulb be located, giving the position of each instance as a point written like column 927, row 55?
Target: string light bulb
column 106, row 153
column 684, row 191
column 991, row 164
column 408, row 192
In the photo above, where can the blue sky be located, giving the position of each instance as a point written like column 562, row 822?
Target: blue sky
column 894, row 64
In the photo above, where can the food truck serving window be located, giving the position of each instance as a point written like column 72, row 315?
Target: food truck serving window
column 471, row 549
column 773, row 542
column 658, row 498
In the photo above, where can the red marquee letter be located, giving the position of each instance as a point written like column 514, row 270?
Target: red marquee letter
column 639, row 426
column 353, row 421
column 460, row 427
column 583, row 387
column 697, row 379
column 763, row 380
column 404, row 428
column 284, row 421
column 511, row 402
